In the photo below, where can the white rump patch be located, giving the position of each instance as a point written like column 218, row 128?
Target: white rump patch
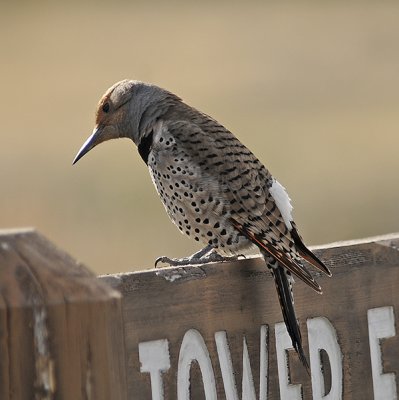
column 283, row 202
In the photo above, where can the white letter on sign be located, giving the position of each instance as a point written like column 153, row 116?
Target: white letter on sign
column 381, row 325
column 154, row 358
column 322, row 336
column 283, row 343
column 226, row 366
column 193, row 348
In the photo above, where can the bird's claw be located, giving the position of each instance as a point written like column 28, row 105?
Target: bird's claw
column 178, row 262
column 208, row 258
column 173, row 262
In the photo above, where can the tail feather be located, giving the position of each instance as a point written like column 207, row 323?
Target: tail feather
column 285, row 297
column 305, row 253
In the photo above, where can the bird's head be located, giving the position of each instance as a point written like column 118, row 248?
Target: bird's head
column 127, row 109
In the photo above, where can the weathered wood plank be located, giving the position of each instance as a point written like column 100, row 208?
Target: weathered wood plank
column 60, row 327
column 239, row 298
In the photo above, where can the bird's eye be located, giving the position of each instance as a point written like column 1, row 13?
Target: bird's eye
column 105, row 107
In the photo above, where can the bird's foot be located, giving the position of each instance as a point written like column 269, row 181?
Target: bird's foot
column 204, row 256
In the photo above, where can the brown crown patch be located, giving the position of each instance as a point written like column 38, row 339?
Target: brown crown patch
column 100, row 113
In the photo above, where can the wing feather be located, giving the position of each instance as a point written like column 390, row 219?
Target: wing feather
column 290, row 264
column 226, row 167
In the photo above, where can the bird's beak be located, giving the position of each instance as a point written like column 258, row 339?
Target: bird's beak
column 93, row 140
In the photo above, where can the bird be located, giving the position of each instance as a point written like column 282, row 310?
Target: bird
column 212, row 186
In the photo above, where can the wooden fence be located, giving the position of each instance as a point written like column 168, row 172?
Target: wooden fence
column 208, row 332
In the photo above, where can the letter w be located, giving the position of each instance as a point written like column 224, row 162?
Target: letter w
column 226, row 366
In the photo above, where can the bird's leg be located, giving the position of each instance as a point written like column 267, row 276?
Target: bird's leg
column 204, row 256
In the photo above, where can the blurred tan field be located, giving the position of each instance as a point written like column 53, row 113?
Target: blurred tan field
column 312, row 87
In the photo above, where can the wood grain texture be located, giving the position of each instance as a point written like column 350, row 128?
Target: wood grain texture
column 239, row 297
column 60, row 327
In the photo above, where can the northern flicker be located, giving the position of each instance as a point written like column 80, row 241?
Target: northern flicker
column 213, row 188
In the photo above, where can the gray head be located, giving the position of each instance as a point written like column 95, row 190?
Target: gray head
column 127, row 109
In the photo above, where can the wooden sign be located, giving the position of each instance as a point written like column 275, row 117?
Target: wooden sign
column 216, row 331
column 60, row 327
column 208, row 332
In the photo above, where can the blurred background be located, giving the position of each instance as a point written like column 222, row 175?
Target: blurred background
column 312, row 87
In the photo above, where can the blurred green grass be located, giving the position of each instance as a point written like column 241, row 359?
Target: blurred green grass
column 311, row 87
